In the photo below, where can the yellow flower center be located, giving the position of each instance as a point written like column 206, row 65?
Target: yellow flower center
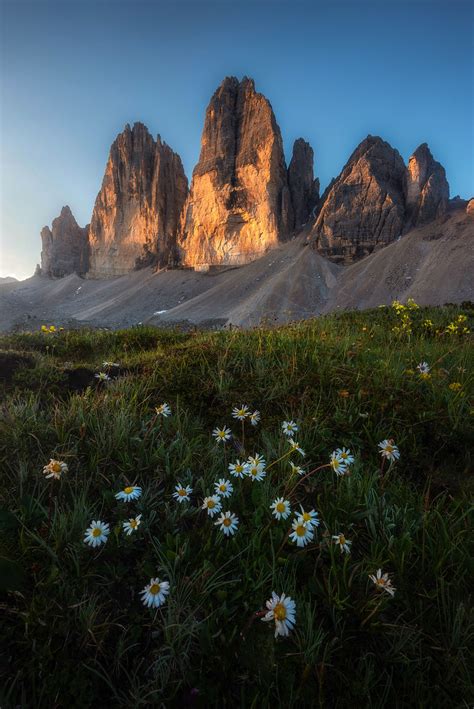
column 56, row 467
column 381, row 582
column 301, row 530
column 128, row 490
column 222, row 488
column 239, row 468
column 335, row 463
column 211, row 504
column 254, row 471
column 342, row 539
column 155, row 588
column 306, row 516
column 182, row 492
column 389, row 449
column 133, row 523
column 227, row 522
column 279, row 611
column 280, row 507
column 344, row 456
column 96, row 532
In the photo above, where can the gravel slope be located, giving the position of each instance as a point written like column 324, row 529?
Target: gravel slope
column 433, row 265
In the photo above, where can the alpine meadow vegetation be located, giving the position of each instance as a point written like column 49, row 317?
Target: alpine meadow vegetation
column 166, row 491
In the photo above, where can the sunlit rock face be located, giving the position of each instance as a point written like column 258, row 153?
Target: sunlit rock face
column 65, row 247
column 239, row 203
column 304, row 189
column 364, row 208
column 470, row 208
column 136, row 213
column 426, row 188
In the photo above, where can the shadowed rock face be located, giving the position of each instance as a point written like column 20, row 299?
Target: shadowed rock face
column 364, row 208
column 136, row 213
column 304, row 189
column 239, row 203
column 65, row 247
column 426, row 188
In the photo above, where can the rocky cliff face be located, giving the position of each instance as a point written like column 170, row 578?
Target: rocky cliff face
column 239, row 203
column 136, row 213
column 65, row 247
column 426, row 188
column 304, row 189
column 364, row 208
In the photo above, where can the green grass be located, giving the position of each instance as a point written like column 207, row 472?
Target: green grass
column 74, row 630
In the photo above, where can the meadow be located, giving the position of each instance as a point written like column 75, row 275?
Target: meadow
column 75, row 629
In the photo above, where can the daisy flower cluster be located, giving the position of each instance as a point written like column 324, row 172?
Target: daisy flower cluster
column 280, row 609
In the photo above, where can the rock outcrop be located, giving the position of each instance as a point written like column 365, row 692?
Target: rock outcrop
column 239, row 203
column 304, row 189
column 426, row 188
column 136, row 213
column 65, row 247
column 470, row 208
column 365, row 207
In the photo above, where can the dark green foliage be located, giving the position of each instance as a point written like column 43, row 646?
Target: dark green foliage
column 74, row 632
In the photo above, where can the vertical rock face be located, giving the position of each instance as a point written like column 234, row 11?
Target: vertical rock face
column 365, row 207
column 239, row 203
column 65, row 247
column 426, row 188
column 136, row 213
column 304, row 189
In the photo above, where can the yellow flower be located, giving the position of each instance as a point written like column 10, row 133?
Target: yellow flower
column 455, row 386
column 412, row 305
column 52, row 328
column 44, row 328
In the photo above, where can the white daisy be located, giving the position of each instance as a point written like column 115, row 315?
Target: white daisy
column 212, row 504
column 131, row 525
column 345, row 455
column 241, row 413
column 256, row 472
column 222, row 434
column 280, row 508
column 182, row 493
column 382, row 582
column 344, row 543
column 296, row 469
column 102, row 377
column 296, row 447
column 228, row 523
column 309, row 518
column 224, row 488
column 97, row 533
column 256, row 459
column 337, row 464
column 255, row 418
column 281, row 609
column 289, row 428
column 106, row 365
column 238, row 469
column 389, row 450
column 163, row 410
column 131, row 492
column 154, row 594
column 423, row 368
column 302, row 532
column 55, row 469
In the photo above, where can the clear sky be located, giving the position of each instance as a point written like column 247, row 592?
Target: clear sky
column 74, row 72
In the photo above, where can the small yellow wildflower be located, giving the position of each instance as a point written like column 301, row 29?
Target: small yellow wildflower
column 455, row 386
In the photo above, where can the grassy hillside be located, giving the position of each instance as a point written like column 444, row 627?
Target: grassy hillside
column 77, row 631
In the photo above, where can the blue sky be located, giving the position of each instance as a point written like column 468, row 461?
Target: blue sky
column 73, row 73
